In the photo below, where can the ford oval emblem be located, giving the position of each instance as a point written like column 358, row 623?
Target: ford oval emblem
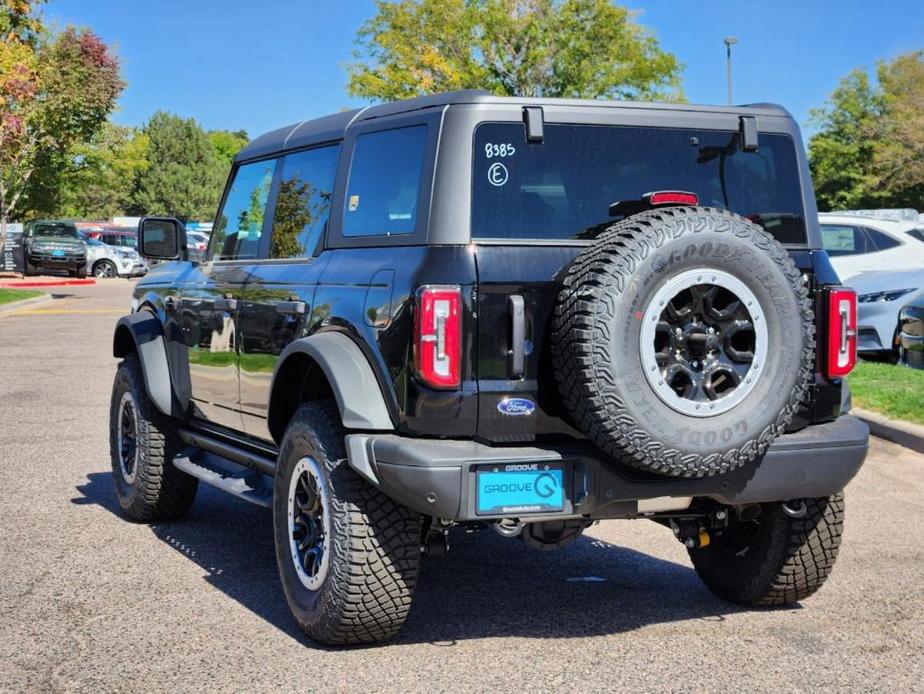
column 517, row 407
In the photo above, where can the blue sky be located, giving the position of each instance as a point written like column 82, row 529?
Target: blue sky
column 259, row 65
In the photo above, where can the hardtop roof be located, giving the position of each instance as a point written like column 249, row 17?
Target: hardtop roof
column 332, row 127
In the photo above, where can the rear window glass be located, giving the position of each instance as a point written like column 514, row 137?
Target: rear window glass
column 562, row 188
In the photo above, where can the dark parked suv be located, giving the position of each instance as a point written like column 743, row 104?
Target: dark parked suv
column 528, row 314
column 50, row 245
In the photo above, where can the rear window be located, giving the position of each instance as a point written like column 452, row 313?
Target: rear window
column 562, row 188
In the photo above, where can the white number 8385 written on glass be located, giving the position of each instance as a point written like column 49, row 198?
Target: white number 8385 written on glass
column 504, row 149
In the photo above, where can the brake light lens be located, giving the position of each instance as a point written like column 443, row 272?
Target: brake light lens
column 438, row 336
column 672, row 197
column 842, row 332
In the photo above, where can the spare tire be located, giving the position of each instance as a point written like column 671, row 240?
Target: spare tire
column 683, row 341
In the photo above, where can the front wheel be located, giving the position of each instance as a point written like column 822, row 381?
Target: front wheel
column 778, row 558
column 348, row 555
column 81, row 272
column 142, row 444
column 105, row 269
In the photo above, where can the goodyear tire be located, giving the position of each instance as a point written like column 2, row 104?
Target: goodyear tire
column 348, row 556
column 142, row 444
column 779, row 558
column 683, row 341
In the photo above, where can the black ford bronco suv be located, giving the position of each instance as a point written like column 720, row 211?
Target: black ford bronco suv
column 530, row 314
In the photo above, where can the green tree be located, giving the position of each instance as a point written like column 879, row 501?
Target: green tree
column 184, row 175
column 51, row 99
column 556, row 48
column 227, row 143
column 869, row 149
column 898, row 163
column 101, row 178
column 841, row 152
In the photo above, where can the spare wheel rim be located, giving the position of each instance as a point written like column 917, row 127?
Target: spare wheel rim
column 704, row 342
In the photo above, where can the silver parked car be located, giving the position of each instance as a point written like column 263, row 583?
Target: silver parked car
column 104, row 260
column 880, row 296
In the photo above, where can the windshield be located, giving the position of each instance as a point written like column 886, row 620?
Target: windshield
column 562, row 188
column 55, row 230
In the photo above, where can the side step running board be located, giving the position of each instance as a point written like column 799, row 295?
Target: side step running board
column 242, row 482
column 254, row 461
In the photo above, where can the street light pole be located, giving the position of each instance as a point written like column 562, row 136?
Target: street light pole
column 729, row 42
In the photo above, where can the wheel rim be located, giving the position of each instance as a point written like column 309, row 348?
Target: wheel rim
column 309, row 523
column 105, row 269
column 127, row 442
column 703, row 342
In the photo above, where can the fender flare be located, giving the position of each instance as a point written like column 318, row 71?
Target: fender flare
column 143, row 333
column 351, row 378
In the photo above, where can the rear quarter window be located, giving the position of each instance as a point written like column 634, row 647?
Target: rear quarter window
column 562, row 187
column 385, row 178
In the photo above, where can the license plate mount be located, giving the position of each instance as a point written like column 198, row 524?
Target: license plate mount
column 513, row 489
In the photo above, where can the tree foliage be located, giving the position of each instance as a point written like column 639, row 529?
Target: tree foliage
column 20, row 21
column 227, row 143
column 100, row 181
column 184, row 174
column 869, row 150
column 51, row 98
column 555, row 48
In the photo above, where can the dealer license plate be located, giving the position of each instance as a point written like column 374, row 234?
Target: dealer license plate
column 57, row 253
column 520, row 488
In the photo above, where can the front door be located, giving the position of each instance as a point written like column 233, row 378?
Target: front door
column 276, row 306
column 210, row 306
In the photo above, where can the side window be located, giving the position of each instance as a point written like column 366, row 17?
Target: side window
column 303, row 203
column 840, row 239
column 879, row 241
column 240, row 222
column 384, row 186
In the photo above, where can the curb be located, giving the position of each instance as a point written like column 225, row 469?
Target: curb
column 907, row 434
column 42, row 285
column 16, row 305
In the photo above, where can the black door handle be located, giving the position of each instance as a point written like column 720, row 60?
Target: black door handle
column 292, row 308
column 516, row 355
column 225, row 304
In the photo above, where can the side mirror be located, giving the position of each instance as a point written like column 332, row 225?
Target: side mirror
column 162, row 238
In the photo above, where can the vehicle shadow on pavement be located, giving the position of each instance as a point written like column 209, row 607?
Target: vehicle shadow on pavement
column 487, row 586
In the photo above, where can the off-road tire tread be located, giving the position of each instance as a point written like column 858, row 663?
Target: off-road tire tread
column 163, row 491
column 607, row 267
column 796, row 562
column 370, row 592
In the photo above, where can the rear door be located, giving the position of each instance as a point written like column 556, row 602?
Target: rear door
column 277, row 303
column 537, row 204
column 210, row 303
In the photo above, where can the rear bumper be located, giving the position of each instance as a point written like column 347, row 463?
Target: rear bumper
column 437, row 477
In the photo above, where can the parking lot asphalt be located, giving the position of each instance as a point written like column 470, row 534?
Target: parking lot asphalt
column 91, row 602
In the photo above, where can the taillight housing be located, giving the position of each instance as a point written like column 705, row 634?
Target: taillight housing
column 438, row 336
column 842, row 332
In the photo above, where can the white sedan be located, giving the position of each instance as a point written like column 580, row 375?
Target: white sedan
column 857, row 243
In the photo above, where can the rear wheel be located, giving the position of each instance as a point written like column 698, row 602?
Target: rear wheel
column 348, row 555
column 780, row 557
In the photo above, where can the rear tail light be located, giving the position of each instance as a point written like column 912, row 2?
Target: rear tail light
column 438, row 336
column 842, row 332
